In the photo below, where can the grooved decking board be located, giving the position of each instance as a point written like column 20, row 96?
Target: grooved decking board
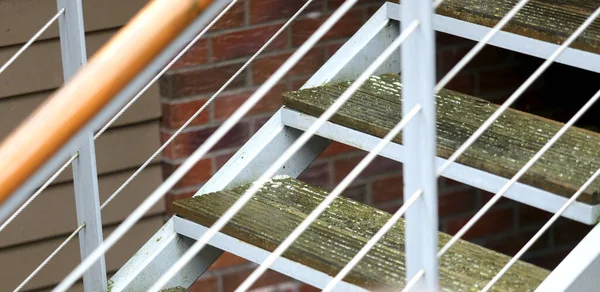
column 549, row 20
column 502, row 150
column 339, row 233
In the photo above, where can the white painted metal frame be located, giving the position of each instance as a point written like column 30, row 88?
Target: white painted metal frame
column 579, row 270
column 85, row 177
column 418, row 73
column 244, row 167
column 507, row 40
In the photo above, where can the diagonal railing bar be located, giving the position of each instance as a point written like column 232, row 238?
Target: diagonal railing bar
column 479, row 46
column 50, row 257
column 519, row 91
column 31, row 40
column 505, row 106
column 37, row 193
column 170, row 182
column 414, row 281
column 558, row 213
column 208, row 102
column 118, row 115
column 524, row 169
column 371, row 243
column 247, row 196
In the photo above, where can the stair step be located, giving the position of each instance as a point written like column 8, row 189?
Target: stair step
column 339, row 233
column 502, row 150
column 548, row 20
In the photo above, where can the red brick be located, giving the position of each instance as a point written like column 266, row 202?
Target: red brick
column 549, row 260
column 268, row 10
column 502, row 79
column 317, row 174
column 456, row 202
column 570, row 232
column 532, row 216
column 346, row 27
column 205, row 283
column 227, row 260
column 388, row 189
column 356, row 193
column 379, row 165
column 200, row 173
column 463, row 82
column 187, row 142
column 332, row 48
column 264, row 67
column 336, row 148
column 235, row 17
column 174, row 115
column 225, row 105
column 333, row 4
column 245, row 42
column 308, row 288
column 494, row 222
column 444, row 40
column 196, row 55
column 233, row 280
column 503, row 202
column 258, row 123
column 199, row 81
column 511, row 244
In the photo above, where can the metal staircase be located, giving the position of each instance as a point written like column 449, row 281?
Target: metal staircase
column 255, row 208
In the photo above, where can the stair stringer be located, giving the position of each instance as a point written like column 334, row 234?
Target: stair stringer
column 166, row 245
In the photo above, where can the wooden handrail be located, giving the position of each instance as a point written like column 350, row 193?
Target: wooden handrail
column 78, row 101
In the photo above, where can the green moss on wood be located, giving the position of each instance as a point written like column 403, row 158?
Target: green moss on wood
column 502, row 150
column 549, row 20
column 339, row 233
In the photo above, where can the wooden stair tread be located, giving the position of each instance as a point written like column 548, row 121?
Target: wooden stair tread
column 548, row 20
column 502, row 150
column 339, row 233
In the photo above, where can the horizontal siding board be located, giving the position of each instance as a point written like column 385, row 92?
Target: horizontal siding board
column 56, row 207
column 123, row 148
column 20, row 19
column 14, row 110
column 40, row 62
column 30, row 256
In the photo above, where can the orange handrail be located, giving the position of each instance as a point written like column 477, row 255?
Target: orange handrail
column 106, row 74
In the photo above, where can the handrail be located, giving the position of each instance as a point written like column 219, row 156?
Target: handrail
column 107, row 73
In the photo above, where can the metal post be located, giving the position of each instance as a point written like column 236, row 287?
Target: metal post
column 85, row 178
column 419, row 136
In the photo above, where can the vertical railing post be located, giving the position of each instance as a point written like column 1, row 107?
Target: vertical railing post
column 85, row 177
column 419, row 136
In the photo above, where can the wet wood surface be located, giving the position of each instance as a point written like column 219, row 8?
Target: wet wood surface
column 502, row 150
column 341, row 231
column 548, row 20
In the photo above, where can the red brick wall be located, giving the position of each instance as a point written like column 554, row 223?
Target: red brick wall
column 494, row 74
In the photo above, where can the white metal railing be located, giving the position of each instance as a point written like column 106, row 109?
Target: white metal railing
column 421, row 198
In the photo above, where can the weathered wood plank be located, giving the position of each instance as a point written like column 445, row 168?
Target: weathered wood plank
column 548, row 20
column 340, row 232
column 502, row 150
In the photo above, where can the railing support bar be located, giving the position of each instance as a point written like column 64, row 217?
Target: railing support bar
column 418, row 74
column 85, row 177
